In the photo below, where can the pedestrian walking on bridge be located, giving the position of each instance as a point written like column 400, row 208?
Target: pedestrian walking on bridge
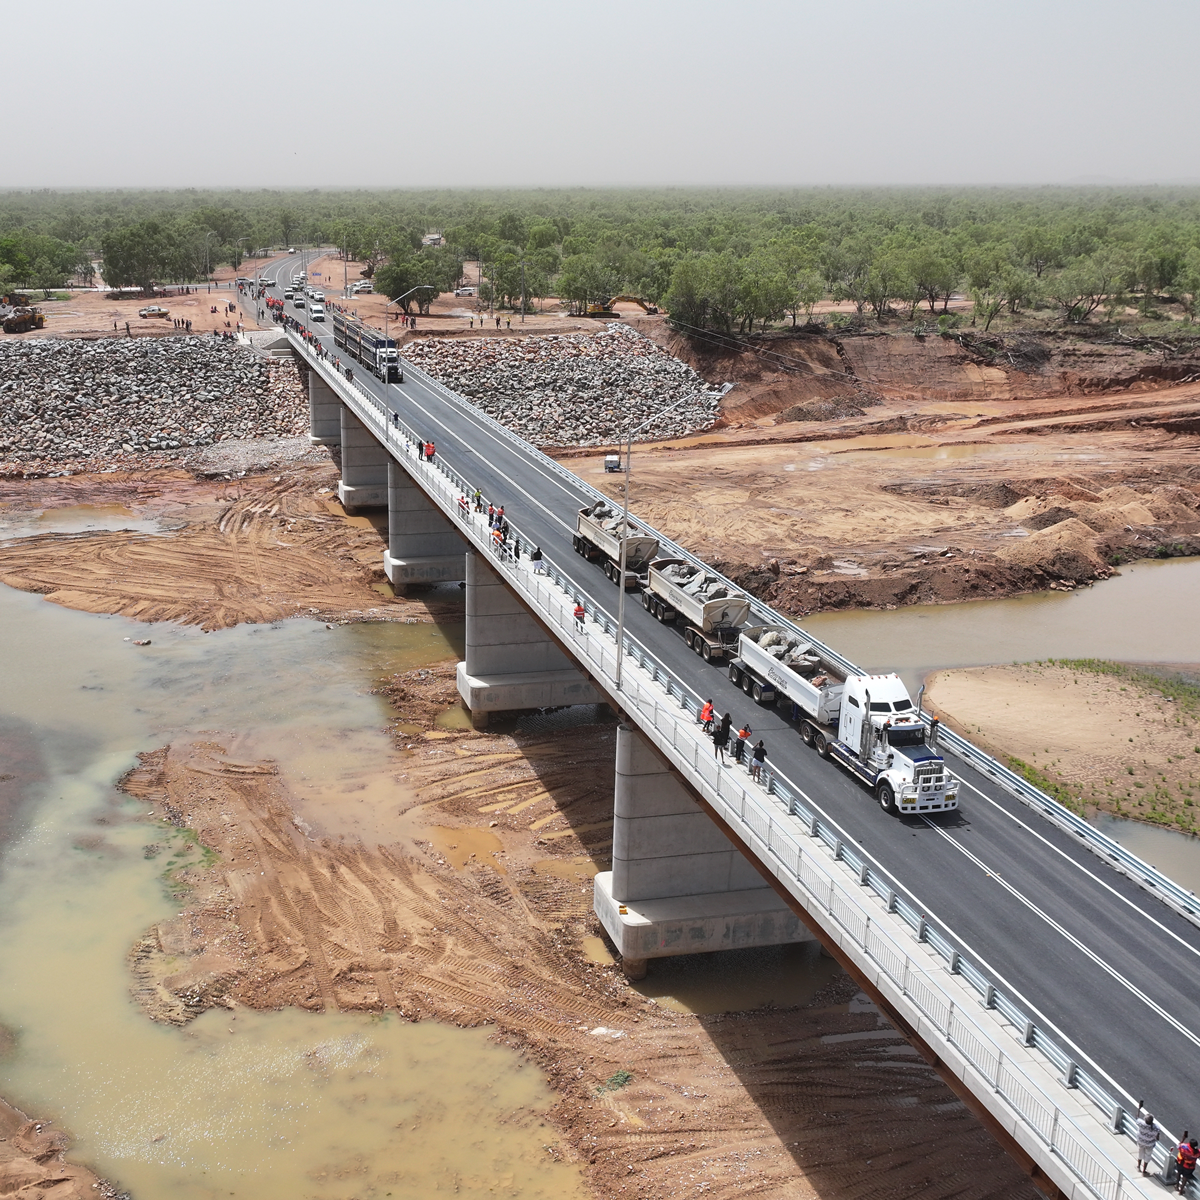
column 1147, row 1138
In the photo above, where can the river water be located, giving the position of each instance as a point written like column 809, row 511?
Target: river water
column 269, row 1106
column 1150, row 613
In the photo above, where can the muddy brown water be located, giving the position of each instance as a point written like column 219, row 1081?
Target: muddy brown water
column 264, row 1105
column 269, row 1106
column 1147, row 614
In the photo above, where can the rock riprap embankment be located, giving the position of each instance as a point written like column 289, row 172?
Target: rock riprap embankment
column 573, row 389
column 66, row 401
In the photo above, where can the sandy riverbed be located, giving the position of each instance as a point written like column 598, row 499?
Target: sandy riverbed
column 1106, row 739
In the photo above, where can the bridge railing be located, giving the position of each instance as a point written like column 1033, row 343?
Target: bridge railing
column 1183, row 901
column 832, row 872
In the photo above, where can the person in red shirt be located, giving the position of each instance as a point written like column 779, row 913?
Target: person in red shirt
column 580, row 613
column 706, row 716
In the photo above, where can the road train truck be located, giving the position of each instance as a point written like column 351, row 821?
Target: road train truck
column 865, row 722
column 376, row 352
column 598, row 537
column 711, row 610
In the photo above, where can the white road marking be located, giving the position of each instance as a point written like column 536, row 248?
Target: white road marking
column 1087, row 951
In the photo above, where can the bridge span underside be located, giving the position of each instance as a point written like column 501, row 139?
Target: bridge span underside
column 1030, row 964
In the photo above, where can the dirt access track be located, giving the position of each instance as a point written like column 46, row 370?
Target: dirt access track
column 880, row 470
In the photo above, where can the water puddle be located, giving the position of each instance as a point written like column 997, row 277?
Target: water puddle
column 737, row 980
column 577, row 869
column 79, row 518
column 596, row 951
column 461, row 846
column 242, row 1105
column 457, row 717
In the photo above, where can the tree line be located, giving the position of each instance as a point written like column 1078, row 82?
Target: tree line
column 717, row 258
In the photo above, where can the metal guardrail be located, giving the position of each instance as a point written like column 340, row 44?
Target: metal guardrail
column 770, row 813
column 1184, row 902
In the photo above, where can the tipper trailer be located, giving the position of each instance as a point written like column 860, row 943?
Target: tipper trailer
column 866, row 722
column 711, row 610
column 599, row 535
column 377, row 353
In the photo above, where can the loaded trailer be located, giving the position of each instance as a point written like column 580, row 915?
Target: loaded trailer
column 711, row 611
column 369, row 346
column 599, row 535
column 866, row 722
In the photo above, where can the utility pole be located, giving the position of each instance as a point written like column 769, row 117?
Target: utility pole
column 522, row 291
column 624, row 534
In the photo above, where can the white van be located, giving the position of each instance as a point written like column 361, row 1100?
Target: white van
column 317, row 312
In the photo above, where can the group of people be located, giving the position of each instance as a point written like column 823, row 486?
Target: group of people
column 1186, row 1153
column 738, row 745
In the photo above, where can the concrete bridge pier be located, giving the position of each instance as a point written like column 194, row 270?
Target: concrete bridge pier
column 678, row 885
column 324, row 412
column 512, row 662
column 364, row 482
column 423, row 545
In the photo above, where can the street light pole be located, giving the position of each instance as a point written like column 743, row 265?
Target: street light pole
column 207, row 261
column 625, row 531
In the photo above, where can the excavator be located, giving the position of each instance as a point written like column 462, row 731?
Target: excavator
column 605, row 307
column 22, row 320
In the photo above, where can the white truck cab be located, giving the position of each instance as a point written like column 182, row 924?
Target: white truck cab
column 883, row 740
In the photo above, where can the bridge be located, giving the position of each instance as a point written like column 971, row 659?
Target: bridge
column 1048, row 975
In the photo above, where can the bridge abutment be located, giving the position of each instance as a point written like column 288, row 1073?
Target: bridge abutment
column 678, row 885
column 324, row 412
column 364, row 482
column 423, row 545
column 512, row 662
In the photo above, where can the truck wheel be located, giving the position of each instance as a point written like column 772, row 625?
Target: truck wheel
column 821, row 745
column 735, row 676
column 756, row 693
column 705, row 652
column 887, row 798
column 687, row 639
column 747, row 684
column 806, row 733
column 646, row 601
column 575, row 545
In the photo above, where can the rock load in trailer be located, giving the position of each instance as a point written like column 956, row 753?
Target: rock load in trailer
column 599, row 536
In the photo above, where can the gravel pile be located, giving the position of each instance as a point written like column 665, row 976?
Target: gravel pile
column 75, row 402
column 574, row 389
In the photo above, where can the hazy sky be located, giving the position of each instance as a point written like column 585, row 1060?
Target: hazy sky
column 365, row 93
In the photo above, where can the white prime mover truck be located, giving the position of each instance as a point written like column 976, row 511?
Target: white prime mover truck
column 711, row 610
column 866, row 722
column 598, row 537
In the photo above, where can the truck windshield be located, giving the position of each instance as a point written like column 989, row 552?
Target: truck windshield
column 907, row 737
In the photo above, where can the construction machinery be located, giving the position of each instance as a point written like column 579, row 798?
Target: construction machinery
column 23, row 319
column 605, row 307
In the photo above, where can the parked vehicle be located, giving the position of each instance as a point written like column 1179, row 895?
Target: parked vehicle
column 317, row 312
column 154, row 310
column 868, row 723
column 363, row 287
column 599, row 536
column 711, row 610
